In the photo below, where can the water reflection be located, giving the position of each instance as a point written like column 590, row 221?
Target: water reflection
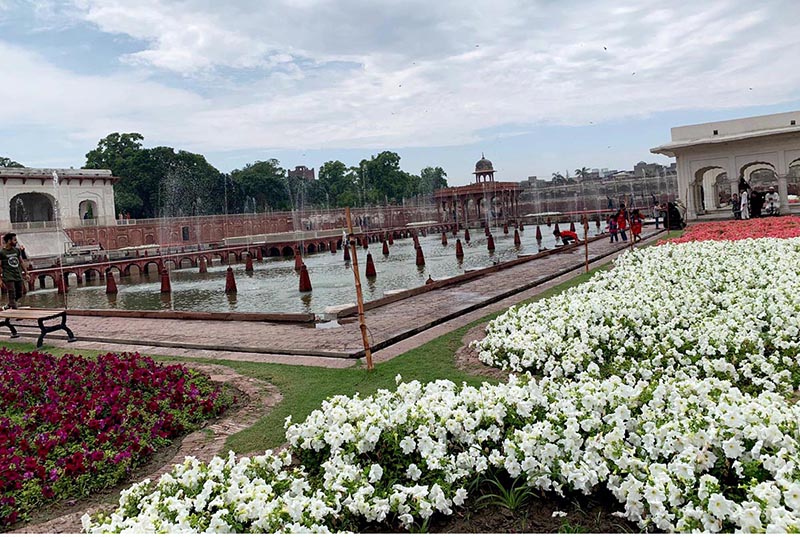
column 273, row 285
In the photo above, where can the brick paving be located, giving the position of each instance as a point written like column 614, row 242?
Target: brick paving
column 393, row 328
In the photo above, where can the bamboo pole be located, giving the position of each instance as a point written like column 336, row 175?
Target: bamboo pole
column 586, row 239
column 359, row 298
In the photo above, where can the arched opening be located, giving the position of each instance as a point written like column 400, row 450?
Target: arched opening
column 793, row 181
column 130, row 270
column 274, row 251
column 115, row 271
column 87, row 210
column 186, row 263
column 705, row 188
column 321, row 247
column 151, row 267
column 170, row 264
column 288, row 251
column 91, row 275
column 311, row 249
column 762, row 177
column 31, row 207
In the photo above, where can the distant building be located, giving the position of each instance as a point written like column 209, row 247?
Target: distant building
column 301, row 172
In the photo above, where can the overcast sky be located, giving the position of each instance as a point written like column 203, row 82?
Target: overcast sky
column 538, row 85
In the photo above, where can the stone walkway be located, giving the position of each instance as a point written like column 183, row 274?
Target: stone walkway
column 336, row 346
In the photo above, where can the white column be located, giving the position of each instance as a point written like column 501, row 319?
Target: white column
column 783, row 188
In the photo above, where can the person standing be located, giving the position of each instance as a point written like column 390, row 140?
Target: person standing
column 736, row 207
column 612, row 228
column 636, row 225
column 622, row 223
column 12, row 269
column 744, row 204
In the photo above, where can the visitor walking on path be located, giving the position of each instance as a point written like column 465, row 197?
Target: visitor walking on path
column 636, row 225
column 12, row 268
column 613, row 228
column 622, row 223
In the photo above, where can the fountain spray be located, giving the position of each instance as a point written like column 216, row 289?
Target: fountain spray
column 57, row 216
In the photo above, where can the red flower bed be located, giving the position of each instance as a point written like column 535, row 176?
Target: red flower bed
column 781, row 227
column 73, row 425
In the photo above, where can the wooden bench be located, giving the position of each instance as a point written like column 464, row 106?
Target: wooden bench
column 47, row 321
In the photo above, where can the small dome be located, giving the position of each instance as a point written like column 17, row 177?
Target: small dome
column 483, row 164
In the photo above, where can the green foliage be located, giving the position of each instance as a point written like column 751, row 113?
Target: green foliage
column 159, row 181
column 266, row 182
column 431, row 179
column 512, row 497
column 6, row 162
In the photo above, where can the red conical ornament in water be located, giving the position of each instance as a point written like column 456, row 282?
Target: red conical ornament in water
column 346, row 248
column 556, row 231
column 230, row 282
column 248, row 265
column 486, row 230
column 111, row 284
column 517, row 240
column 466, row 234
column 572, row 226
column 549, row 223
column 505, row 229
column 298, row 261
column 455, row 231
column 259, row 254
column 459, row 249
column 420, row 257
column 490, row 243
column 371, row 272
column 521, row 226
column 333, row 246
column 166, row 286
column 444, row 239
column 203, row 268
column 385, row 248
column 365, row 242
column 391, row 239
column 305, row 281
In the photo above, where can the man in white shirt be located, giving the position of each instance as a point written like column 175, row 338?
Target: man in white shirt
column 772, row 202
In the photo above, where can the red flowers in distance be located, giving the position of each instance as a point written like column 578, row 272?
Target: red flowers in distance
column 781, row 227
column 73, row 425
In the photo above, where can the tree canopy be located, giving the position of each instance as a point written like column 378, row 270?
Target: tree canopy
column 6, row 162
column 162, row 181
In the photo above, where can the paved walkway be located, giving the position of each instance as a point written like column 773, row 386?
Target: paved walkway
column 394, row 327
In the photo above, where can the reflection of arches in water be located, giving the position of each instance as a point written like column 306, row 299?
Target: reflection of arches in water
column 32, row 207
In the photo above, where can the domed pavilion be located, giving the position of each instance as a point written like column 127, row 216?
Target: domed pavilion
column 484, row 201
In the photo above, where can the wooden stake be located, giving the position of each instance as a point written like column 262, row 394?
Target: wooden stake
column 586, row 239
column 359, row 298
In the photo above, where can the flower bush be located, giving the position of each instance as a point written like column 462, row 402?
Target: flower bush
column 665, row 380
column 782, row 227
column 71, row 425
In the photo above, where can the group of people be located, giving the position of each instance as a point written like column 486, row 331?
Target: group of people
column 751, row 203
column 618, row 223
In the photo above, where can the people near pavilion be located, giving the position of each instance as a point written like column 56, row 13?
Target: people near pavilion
column 772, row 202
column 636, row 225
column 657, row 212
column 736, row 206
column 756, row 203
column 622, row 223
column 613, row 228
column 568, row 237
column 744, row 204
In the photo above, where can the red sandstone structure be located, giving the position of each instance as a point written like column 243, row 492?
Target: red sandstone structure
column 484, row 198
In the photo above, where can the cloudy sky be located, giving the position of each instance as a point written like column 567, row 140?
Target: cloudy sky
column 538, row 85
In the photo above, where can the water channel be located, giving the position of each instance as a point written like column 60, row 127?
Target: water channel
column 273, row 285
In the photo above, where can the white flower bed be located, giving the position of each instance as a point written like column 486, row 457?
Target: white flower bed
column 679, row 447
column 728, row 310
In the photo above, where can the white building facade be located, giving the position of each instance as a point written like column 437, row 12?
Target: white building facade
column 713, row 157
column 30, row 198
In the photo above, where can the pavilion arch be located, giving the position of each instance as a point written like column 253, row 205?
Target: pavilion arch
column 186, row 262
column 759, row 181
column 87, row 209
column 705, row 187
column 311, row 248
column 32, row 207
column 91, row 274
column 274, row 251
column 793, row 177
column 288, row 251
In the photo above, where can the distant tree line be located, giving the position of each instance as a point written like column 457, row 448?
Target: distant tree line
column 161, row 181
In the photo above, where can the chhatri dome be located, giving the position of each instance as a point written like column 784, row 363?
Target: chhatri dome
column 483, row 165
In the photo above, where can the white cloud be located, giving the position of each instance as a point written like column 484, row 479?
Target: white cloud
column 350, row 73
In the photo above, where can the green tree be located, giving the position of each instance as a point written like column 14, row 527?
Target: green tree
column 431, row 179
column 339, row 184
column 6, row 162
column 380, row 179
column 266, row 182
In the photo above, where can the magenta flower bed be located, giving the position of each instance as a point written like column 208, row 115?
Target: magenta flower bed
column 73, row 425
